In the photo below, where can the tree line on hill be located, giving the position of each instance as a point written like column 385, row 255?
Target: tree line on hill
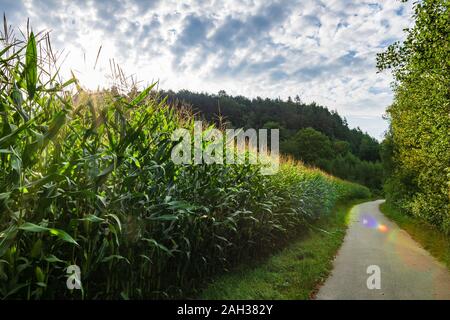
column 308, row 132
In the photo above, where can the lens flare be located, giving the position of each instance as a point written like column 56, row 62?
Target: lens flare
column 382, row 228
column 369, row 221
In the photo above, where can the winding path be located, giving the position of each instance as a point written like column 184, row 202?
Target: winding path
column 407, row 271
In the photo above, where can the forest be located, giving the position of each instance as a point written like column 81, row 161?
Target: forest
column 308, row 132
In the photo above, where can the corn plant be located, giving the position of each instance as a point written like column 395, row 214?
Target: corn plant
column 86, row 179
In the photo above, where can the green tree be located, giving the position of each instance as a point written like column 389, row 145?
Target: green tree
column 416, row 152
column 309, row 145
column 368, row 149
column 341, row 147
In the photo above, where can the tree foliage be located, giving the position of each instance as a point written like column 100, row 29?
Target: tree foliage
column 309, row 132
column 415, row 152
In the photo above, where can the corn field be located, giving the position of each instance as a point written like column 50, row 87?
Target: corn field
column 86, row 179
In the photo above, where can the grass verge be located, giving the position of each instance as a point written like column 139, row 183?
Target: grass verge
column 434, row 241
column 295, row 272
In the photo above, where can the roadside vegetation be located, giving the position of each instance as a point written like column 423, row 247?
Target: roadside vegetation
column 86, row 179
column 429, row 236
column 415, row 152
column 295, row 272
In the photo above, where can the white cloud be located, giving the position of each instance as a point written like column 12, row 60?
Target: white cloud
column 323, row 50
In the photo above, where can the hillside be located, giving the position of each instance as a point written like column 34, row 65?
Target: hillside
column 309, row 132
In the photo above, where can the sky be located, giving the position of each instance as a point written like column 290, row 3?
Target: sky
column 323, row 51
